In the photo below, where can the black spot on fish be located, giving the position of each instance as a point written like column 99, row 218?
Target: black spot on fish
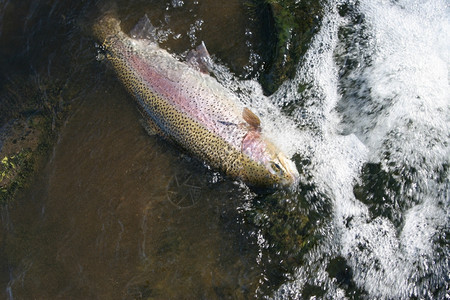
column 227, row 123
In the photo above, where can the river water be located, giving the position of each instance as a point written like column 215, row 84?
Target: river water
column 118, row 214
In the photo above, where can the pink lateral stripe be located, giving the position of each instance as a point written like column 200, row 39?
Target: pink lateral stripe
column 173, row 92
column 168, row 90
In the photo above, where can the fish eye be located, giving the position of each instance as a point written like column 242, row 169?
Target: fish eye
column 276, row 168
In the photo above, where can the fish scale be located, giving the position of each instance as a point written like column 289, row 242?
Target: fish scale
column 193, row 110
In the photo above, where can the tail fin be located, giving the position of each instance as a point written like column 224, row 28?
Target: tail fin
column 107, row 25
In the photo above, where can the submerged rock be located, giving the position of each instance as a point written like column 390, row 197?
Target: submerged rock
column 294, row 25
column 31, row 116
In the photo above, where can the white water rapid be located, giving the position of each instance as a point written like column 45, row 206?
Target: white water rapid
column 377, row 97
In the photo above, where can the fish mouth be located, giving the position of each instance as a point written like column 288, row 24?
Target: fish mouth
column 291, row 174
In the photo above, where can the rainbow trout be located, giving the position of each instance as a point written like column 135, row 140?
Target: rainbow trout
column 185, row 105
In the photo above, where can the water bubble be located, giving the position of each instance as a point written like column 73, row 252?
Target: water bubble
column 177, row 3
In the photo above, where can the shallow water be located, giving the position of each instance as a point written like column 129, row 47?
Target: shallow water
column 110, row 219
column 116, row 213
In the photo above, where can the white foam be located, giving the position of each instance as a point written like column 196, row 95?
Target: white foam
column 410, row 66
column 399, row 117
column 405, row 114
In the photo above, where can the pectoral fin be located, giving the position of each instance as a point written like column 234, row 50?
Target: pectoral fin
column 251, row 118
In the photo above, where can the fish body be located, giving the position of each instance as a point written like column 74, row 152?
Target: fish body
column 185, row 105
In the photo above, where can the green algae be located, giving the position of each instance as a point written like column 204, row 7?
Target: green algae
column 31, row 118
column 289, row 229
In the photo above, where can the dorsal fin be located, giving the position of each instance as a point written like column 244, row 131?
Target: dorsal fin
column 251, row 118
column 199, row 58
column 144, row 30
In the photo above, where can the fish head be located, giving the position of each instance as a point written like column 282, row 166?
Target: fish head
column 284, row 169
column 275, row 169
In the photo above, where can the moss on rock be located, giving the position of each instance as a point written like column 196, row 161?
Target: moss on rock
column 31, row 115
column 294, row 24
